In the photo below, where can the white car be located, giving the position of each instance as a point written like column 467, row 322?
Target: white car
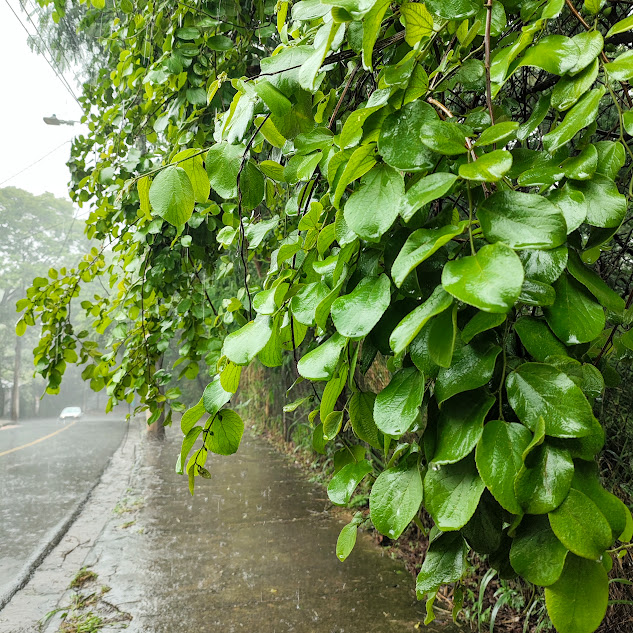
column 70, row 412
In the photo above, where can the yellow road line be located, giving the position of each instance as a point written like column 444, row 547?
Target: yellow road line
column 41, row 439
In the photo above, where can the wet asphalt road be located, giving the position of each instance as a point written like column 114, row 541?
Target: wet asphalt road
column 42, row 481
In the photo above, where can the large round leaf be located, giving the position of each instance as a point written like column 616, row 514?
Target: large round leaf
column 396, row 497
column 244, row 344
column 444, row 137
column 575, row 317
column 491, row 280
column 453, row 10
column 580, row 526
column 536, row 554
column 223, row 164
column 460, row 425
column 374, row 206
column 320, row 363
column 399, row 140
column 445, row 562
column 398, row 405
column 344, row 482
column 544, row 481
column 577, row 601
column 489, row 167
column 538, row 390
column 571, row 203
column 499, row 458
column 307, row 300
column 544, row 266
column 538, row 339
column 605, row 206
column 451, row 493
column 225, row 433
column 171, row 195
column 522, row 220
column 356, row 314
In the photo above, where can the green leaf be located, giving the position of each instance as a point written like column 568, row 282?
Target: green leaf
column 498, row 133
column 569, row 89
column 451, row 493
column 606, row 206
column 571, row 202
column 360, row 162
column 196, row 172
column 460, row 426
column 171, row 195
column 491, row 280
column 544, row 266
column 411, row 325
column 579, row 117
column 329, row 397
column 425, row 190
column 538, row 339
column 472, row 367
column 545, row 479
column 499, row 458
column 621, row 68
column 382, row 189
column 580, row 526
column 453, row 9
column 591, row 280
column 399, row 140
column 536, row 554
column 557, row 54
column 444, row 562
column 344, row 482
column 420, row 245
column 361, row 417
column 522, row 220
column 620, row 27
column 356, row 314
column 611, row 158
column 583, row 166
column 538, row 390
column 143, row 193
column 490, row 167
column 396, row 497
column 371, row 28
column 223, row 164
column 225, row 433
column 574, row 317
column 187, row 444
column 418, row 22
column 346, row 541
column 442, row 335
column 214, row 397
column 577, row 601
column 444, row 138
column 535, row 293
column 220, row 43
column 320, row 363
column 590, row 44
column 536, row 118
column 191, row 416
column 306, row 301
column 244, row 344
column 481, row 322
column 275, row 100
column 397, row 406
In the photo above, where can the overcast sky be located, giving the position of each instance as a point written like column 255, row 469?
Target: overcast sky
column 31, row 91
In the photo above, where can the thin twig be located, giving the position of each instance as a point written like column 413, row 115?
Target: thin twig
column 487, row 60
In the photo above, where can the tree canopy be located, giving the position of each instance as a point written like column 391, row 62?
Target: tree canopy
column 443, row 187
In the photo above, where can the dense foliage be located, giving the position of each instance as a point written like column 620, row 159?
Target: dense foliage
column 336, row 181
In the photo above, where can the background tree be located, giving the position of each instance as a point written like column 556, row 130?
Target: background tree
column 435, row 187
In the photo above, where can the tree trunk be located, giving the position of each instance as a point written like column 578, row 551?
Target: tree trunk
column 15, row 394
column 156, row 430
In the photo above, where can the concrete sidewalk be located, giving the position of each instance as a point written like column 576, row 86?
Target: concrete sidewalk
column 253, row 550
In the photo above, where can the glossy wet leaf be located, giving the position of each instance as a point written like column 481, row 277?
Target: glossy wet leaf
column 404, row 333
column 489, row 167
column 536, row 554
column 356, row 313
column 192, row 416
column 223, row 164
column 539, row 390
column 491, row 280
column 472, row 367
column 481, row 322
column 399, row 140
column 460, row 425
column 344, row 482
column 592, row 281
column 346, row 541
column 381, row 190
column 571, row 203
column 244, row 344
column 397, row 406
column 536, row 293
column 418, row 22
column 557, row 54
column 444, row 562
column 499, row 458
column 577, row 601
column 570, row 89
column 215, row 397
column 575, row 317
column 452, row 9
column 425, row 190
column 420, row 245
column 522, row 220
column 544, row 266
column 361, row 416
column 306, row 301
column 332, row 425
column 545, row 479
column 320, row 363
column 172, row 196
column 538, row 339
column 442, row 336
column 194, row 168
column 396, row 497
column 451, row 493
column 225, row 433
column 444, row 138
column 579, row 117
column 498, row 133
column 605, row 205
column 621, row 68
column 580, row 526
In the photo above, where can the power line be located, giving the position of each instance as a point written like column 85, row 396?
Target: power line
column 33, row 163
column 50, row 63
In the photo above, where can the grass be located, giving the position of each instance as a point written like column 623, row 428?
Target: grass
column 83, row 576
